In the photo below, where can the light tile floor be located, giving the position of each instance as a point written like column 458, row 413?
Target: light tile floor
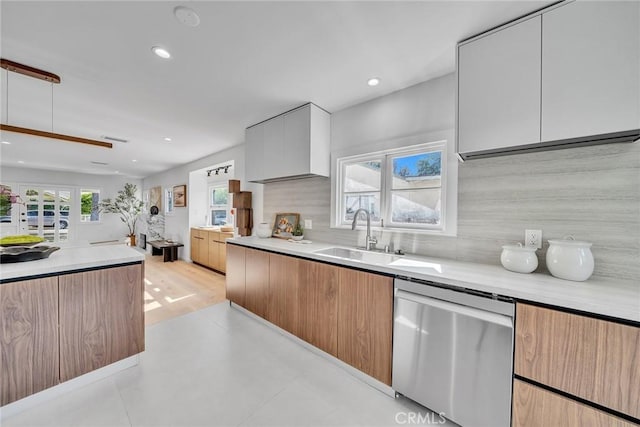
column 218, row 367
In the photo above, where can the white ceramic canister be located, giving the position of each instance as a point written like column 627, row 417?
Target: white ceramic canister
column 263, row 230
column 570, row 259
column 518, row 258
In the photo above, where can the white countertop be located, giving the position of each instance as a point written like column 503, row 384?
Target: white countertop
column 72, row 258
column 608, row 297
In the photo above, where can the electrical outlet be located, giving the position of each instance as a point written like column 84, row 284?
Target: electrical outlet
column 533, row 238
column 308, row 224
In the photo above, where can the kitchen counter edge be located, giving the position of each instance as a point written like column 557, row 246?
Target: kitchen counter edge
column 71, row 259
column 613, row 298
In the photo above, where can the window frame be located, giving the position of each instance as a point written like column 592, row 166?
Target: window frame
column 80, row 190
column 213, row 206
column 386, row 188
column 168, row 196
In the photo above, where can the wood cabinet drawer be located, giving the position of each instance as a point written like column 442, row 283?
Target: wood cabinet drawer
column 534, row 406
column 590, row 358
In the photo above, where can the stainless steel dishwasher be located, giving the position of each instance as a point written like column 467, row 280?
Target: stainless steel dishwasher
column 452, row 352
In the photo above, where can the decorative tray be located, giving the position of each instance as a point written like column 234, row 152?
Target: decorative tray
column 25, row 253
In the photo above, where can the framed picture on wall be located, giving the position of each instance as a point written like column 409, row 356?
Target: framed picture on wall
column 180, row 196
column 155, row 197
column 285, row 224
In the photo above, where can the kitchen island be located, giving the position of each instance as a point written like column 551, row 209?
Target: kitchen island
column 71, row 314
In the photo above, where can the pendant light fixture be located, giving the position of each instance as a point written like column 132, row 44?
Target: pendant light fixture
column 53, row 79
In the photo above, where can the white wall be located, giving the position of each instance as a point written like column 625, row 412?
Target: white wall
column 177, row 225
column 418, row 114
column 109, row 228
column 427, row 107
column 592, row 193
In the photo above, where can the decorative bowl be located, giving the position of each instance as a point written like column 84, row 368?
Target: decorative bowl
column 297, row 238
column 518, row 258
column 570, row 259
column 25, row 253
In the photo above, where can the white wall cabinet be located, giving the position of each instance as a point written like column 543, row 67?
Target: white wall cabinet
column 591, row 69
column 499, row 89
column 254, row 153
column 568, row 72
column 293, row 144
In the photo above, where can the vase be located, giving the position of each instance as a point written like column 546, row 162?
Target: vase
column 132, row 240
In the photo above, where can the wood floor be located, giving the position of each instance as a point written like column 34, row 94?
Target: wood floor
column 176, row 288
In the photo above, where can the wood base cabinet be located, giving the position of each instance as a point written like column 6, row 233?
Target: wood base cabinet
column 236, row 279
column 57, row 328
column 199, row 246
column 208, row 248
column 365, row 322
column 318, row 305
column 535, row 406
column 29, row 359
column 257, row 281
column 343, row 312
column 592, row 359
column 283, row 309
column 101, row 319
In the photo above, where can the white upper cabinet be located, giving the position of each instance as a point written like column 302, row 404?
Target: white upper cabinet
column 292, row 145
column 499, row 89
column 254, row 153
column 569, row 74
column 591, row 69
column 275, row 152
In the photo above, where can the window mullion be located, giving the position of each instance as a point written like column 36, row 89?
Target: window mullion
column 386, row 186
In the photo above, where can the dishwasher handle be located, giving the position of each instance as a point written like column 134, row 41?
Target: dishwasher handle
column 464, row 310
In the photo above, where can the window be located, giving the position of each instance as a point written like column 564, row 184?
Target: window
column 6, row 201
column 401, row 188
column 47, row 212
column 219, row 204
column 89, row 201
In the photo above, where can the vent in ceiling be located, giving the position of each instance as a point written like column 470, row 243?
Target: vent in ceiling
column 93, row 162
column 114, row 139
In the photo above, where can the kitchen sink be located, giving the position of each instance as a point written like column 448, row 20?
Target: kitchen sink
column 358, row 255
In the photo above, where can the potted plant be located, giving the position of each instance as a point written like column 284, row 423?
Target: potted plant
column 298, row 233
column 127, row 205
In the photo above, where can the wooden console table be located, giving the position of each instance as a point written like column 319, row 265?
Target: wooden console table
column 168, row 249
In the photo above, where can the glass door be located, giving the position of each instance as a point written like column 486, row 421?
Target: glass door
column 46, row 212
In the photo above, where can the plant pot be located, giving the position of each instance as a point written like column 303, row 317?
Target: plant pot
column 297, row 238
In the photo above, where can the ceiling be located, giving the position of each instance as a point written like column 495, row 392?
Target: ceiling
column 245, row 62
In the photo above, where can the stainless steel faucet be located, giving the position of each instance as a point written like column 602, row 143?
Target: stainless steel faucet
column 370, row 241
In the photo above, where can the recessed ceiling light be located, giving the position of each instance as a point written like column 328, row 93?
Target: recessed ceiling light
column 21, row 161
column 117, row 172
column 186, row 16
column 134, row 160
column 167, row 139
column 161, row 52
column 6, row 142
column 373, row 81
